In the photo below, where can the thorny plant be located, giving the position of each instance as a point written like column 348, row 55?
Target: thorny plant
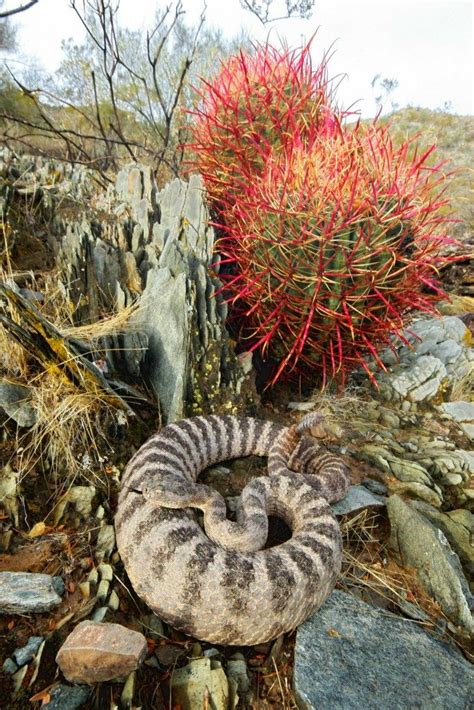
column 330, row 234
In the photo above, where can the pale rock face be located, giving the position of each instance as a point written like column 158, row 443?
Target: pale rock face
column 440, row 354
column 463, row 414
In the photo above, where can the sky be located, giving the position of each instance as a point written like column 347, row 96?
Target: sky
column 425, row 45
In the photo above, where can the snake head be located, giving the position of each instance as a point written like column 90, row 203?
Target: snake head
column 166, row 490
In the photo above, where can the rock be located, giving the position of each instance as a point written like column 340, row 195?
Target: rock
column 415, row 381
column 448, row 467
column 68, row 697
column 96, row 652
column 28, row 592
column 237, row 671
column 406, row 471
column 154, row 251
column 105, row 542
column 167, row 328
column 9, row 666
column 80, row 498
column 419, row 544
column 389, row 419
column 128, row 691
column 153, row 627
column 374, row 486
column 463, row 414
column 113, row 601
column 26, row 653
column 457, row 525
column 9, row 492
column 433, row 497
column 352, row 655
column 202, row 683
column 357, row 497
column 100, row 613
column 15, row 401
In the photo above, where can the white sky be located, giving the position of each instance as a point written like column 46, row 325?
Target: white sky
column 427, row 45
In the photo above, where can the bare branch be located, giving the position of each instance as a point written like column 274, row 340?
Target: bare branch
column 294, row 8
column 20, row 8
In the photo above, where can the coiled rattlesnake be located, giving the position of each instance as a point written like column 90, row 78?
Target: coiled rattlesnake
column 219, row 585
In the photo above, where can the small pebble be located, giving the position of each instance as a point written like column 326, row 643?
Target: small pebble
column 93, row 576
column 103, row 590
column 9, row 666
column 126, row 698
column 106, row 571
column 85, row 588
column 114, row 601
column 25, row 654
column 99, row 614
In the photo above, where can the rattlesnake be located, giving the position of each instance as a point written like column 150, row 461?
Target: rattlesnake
column 219, row 585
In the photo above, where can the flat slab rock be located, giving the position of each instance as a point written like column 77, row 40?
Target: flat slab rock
column 350, row 655
column 357, row 498
column 96, row 652
column 29, row 592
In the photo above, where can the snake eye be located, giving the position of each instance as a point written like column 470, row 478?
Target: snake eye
column 136, row 490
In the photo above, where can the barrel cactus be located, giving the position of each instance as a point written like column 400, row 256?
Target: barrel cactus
column 333, row 234
column 256, row 104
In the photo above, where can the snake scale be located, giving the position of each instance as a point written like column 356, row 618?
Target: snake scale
column 219, row 584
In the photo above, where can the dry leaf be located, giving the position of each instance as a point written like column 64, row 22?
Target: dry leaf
column 43, row 695
column 38, row 529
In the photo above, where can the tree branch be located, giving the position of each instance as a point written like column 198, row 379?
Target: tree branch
column 20, row 8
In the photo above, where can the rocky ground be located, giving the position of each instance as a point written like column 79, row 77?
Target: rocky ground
column 397, row 632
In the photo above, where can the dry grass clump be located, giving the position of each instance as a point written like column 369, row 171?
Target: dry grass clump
column 368, row 569
column 69, row 437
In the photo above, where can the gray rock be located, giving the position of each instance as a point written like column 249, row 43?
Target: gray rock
column 415, row 381
column 25, row 654
column 374, row 486
column 28, row 592
column 430, row 495
column 436, row 330
column 406, row 471
column 446, row 464
column 14, row 400
column 9, row 666
column 350, row 656
column 105, row 542
column 68, row 697
column 165, row 319
column 457, row 525
column 419, row 544
column 238, row 672
column 357, row 497
column 463, row 414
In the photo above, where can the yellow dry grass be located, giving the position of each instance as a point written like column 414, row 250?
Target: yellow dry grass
column 67, row 438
